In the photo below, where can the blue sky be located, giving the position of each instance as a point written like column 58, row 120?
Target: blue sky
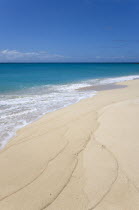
column 69, row 30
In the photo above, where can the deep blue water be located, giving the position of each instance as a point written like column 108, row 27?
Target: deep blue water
column 19, row 76
column 28, row 91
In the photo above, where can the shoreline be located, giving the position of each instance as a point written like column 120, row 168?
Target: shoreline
column 50, row 163
column 93, row 88
column 21, row 110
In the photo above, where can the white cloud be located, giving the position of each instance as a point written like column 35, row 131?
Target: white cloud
column 18, row 56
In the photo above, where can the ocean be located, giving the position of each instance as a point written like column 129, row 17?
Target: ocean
column 30, row 90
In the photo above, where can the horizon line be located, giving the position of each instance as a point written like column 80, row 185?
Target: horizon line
column 84, row 62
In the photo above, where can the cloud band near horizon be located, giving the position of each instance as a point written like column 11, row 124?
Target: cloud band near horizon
column 18, row 56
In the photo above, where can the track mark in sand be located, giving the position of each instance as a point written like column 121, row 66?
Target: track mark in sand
column 38, row 174
column 68, row 181
column 114, row 158
column 61, row 190
column 114, row 180
column 71, row 176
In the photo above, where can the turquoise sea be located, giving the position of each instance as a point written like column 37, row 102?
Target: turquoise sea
column 28, row 91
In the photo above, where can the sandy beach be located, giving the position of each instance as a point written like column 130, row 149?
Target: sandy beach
column 82, row 157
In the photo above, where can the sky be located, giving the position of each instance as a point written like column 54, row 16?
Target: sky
column 69, row 31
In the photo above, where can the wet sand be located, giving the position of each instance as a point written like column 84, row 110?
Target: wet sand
column 102, row 87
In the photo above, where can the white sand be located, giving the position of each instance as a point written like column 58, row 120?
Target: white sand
column 83, row 157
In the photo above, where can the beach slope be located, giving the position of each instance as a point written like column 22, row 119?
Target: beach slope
column 82, row 157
